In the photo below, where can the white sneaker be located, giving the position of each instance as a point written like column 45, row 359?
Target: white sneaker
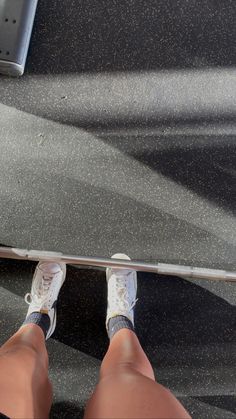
column 47, row 282
column 122, row 290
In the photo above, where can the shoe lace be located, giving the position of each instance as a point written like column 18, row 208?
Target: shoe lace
column 123, row 296
column 42, row 292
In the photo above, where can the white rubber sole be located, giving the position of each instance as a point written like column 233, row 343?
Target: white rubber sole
column 54, row 322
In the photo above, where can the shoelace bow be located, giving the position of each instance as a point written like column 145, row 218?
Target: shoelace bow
column 123, row 294
column 42, row 291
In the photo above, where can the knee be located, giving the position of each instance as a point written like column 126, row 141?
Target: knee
column 25, row 355
column 121, row 392
column 127, row 367
column 117, row 369
column 130, row 394
column 25, row 363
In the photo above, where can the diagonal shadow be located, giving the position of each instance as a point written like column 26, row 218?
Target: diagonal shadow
column 208, row 170
column 124, row 100
column 222, row 402
column 65, row 218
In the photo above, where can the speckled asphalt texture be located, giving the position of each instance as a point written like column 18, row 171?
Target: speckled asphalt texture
column 121, row 137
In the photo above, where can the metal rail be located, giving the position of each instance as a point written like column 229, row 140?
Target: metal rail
column 160, row 268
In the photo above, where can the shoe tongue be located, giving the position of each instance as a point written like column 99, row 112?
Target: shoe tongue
column 50, row 268
column 121, row 271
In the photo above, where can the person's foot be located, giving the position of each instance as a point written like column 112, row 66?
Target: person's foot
column 122, row 290
column 47, row 282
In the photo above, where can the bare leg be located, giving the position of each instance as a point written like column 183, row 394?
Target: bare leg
column 126, row 387
column 25, row 389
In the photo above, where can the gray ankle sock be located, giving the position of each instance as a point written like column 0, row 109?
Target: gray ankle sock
column 41, row 319
column 118, row 322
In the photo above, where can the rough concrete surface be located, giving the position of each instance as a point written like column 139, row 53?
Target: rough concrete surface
column 121, row 137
